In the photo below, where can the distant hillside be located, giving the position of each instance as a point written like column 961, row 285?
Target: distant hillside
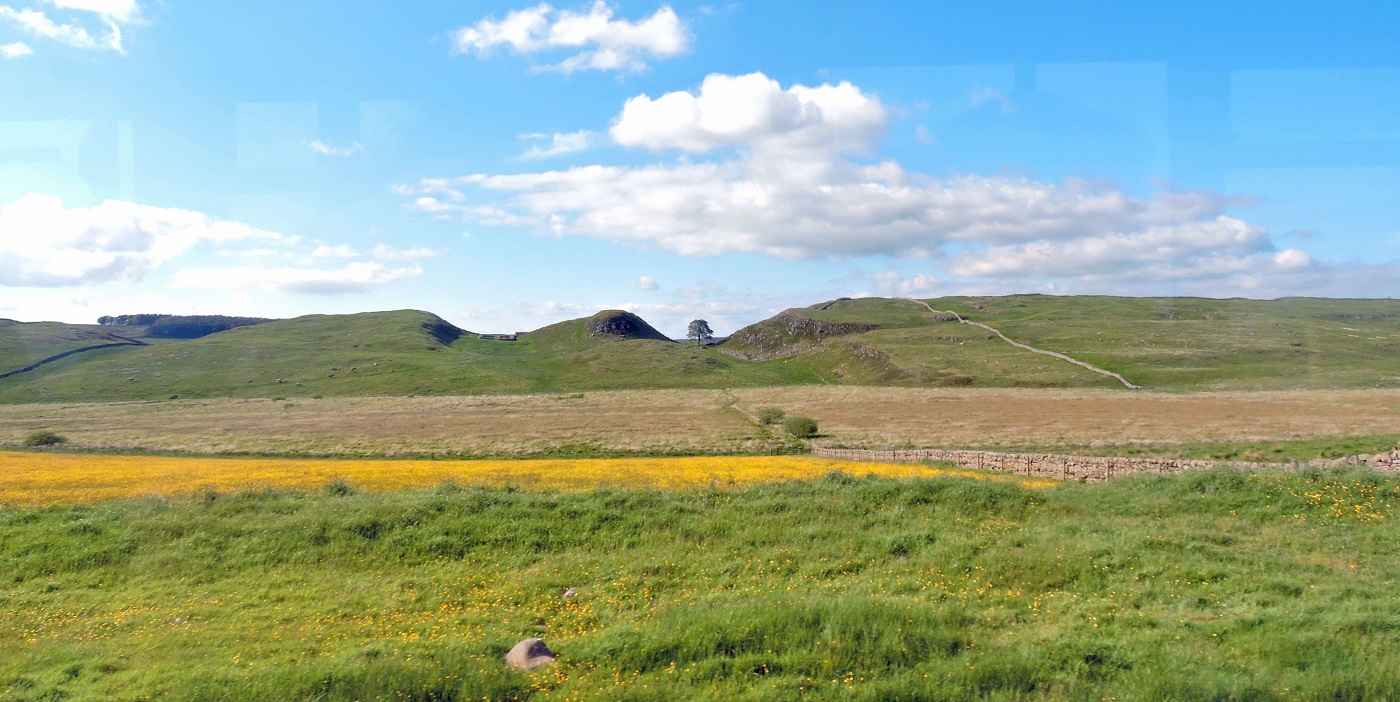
column 25, row 344
column 1161, row 343
column 194, row 327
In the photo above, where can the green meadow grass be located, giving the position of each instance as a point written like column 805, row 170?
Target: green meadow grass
column 1175, row 344
column 383, row 353
column 22, row 344
column 1213, row 585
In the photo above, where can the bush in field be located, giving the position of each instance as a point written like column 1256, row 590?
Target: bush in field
column 43, row 437
column 771, row 415
column 800, row 427
column 338, row 487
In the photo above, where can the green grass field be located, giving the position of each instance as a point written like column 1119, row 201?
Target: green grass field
column 22, row 344
column 1173, row 344
column 1212, row 585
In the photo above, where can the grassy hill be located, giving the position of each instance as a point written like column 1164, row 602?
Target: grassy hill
column 1161, row 343
column 391, row 353
column 22, row 344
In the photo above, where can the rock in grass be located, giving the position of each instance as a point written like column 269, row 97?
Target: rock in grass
column 530, row 654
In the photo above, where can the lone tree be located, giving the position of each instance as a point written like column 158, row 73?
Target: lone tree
column 700, row 331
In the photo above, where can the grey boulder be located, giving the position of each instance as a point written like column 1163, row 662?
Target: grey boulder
column 530, row 654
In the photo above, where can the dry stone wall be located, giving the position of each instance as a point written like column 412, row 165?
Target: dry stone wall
column 1085, row 468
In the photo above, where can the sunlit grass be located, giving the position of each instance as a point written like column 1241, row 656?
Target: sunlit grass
column 1210, row 585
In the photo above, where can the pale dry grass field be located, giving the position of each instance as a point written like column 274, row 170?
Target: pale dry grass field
column 704, row 421
column 693, row 421
column 976, row 418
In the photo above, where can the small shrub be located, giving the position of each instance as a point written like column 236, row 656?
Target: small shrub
column 337, row 487
column 800, row 427
column 44, row 437
column 771, row 415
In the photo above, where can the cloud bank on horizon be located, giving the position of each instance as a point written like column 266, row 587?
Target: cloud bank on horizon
column 783, row 180
column 693, row 172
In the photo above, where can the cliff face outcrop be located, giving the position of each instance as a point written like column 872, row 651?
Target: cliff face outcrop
column 789, row 333
column 620, row 325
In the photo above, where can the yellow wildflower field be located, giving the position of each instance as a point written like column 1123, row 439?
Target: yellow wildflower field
column 32, row 479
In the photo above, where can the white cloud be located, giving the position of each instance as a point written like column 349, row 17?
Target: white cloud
column 112, row 14
column 39, row 25
column 254, row 253
column 646, row 282
column 599, row 41
column 1210, row 248
column 119, row 10
column 756, row 112
column 353, row 278
column 325, row 149
column 389, row 253
column 984, row 95
column 924, row 136
column 338, row 251
column 557, row 144
column 1293, row 260
column 894, row 283
column 699, row 209
column 44, row 244
column 783, row 172
column 15, row 50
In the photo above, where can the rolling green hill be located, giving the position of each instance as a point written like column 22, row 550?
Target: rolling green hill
column 1160, row 343
column 24, row 344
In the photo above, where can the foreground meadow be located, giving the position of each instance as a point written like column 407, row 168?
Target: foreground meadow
column 1210, row 585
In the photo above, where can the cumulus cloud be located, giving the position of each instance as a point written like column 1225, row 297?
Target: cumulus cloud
column 1197, row 249
column 756, row 167
column 111, row 14
column 646, row 282
column 556, row 144
column 699, row 209
column 596, row 40
column 325, row 149
column 15, row 50
column 45, row 244
column 355, row 277
column 754, row 111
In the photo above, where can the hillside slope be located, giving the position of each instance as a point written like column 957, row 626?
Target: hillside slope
column 1160, row 343
column 25, row 344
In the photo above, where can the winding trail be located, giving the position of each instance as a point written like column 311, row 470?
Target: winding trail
column 1028, row 347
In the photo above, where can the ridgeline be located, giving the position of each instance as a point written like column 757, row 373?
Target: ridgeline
column 1157, row 343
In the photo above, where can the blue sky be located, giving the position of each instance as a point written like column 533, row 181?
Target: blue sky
column 507, row 165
